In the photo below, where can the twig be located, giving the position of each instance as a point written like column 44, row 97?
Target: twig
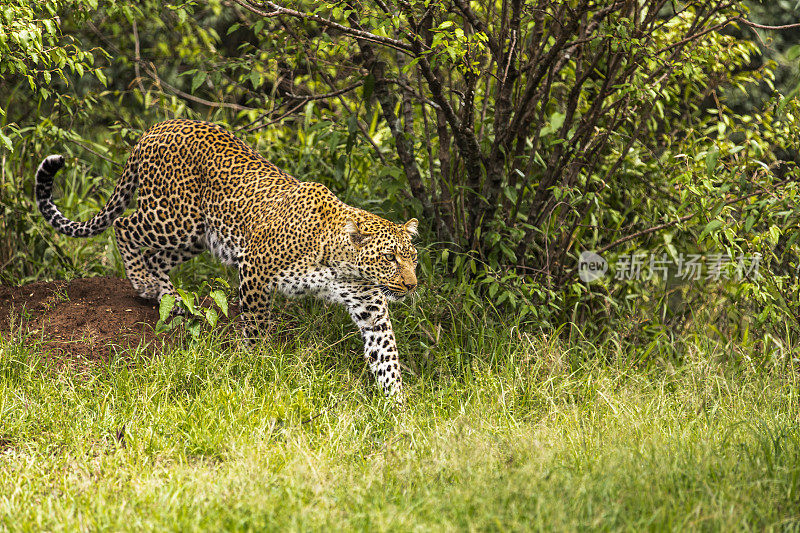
column 271, row 122
column 361, row 34
column 154, row 74
column 405, row 86
column 137, row 58
column 763, row 27
column 685, row 218
column 94, row 152
column 510, row 57
column 306, row 98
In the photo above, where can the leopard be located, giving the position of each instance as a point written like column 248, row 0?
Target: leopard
column 200, row 187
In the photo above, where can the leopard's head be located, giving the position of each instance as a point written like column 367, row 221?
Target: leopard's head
column 384, row 253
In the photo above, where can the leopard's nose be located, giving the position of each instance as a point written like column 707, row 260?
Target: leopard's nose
column 410, row 286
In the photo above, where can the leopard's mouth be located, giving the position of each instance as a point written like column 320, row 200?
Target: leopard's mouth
column 392, row 294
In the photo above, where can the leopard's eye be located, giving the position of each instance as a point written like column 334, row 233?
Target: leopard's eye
column 390, row 257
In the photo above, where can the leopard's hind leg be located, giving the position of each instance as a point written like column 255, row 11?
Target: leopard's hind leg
column 143, row 281
column 161, row 262
column 148, row 271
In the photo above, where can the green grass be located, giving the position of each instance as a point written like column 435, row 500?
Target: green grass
column 502, row 431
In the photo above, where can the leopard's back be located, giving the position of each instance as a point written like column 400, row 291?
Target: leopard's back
column 191, row 169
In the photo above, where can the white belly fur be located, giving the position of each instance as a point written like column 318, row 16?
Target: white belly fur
column 226, row 250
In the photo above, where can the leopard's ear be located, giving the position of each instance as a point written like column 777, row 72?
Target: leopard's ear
column 357, row 236
column 411, row 226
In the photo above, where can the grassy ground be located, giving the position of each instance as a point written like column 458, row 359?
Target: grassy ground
column 502, row 431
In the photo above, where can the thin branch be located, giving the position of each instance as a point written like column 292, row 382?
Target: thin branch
column 361, row 34
column 137, row 58
column 271, row 122
column 154, row 74
column 763, row 27
column 684, row 218
column 101, row 156
column 309, row 97
column 406, row 87
column 475, row 22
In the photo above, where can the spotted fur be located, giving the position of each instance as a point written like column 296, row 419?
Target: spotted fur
column 201, row 188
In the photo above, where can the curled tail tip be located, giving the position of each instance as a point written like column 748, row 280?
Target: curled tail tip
column 50, row 165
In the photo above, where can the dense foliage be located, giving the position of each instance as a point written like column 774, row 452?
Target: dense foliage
column 522, row 133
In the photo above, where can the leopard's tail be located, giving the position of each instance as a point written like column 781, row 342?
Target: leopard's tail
column 115, row 206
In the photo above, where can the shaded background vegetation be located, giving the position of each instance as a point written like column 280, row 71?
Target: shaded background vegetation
column 521, row 133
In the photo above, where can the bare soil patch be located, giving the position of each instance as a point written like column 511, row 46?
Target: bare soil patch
column 92, row 318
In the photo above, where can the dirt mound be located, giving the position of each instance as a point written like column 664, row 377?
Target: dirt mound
column 93, row 318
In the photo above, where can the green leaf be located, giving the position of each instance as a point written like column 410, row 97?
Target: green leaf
column 194, row 330
column 502, row 298
column 175, row 322
column 793, row 52
column 748, row 224
column 255, row 79
column 774, row 234
column 48, row 24
column 352, row 128
column 410, row 65
column 198, row 79
column 6, row 142
column 711, row 226
column 556, row 121
column 366, row 90
column 493, row 289
column 165, row 306
column 508, row 252
column 188, row 301
column 221, row 300
column 711, row 162
column 212, row 316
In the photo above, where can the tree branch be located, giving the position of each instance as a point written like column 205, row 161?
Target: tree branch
column 151, row 70
column 684, row 218
column 323, row 96
column 478, row 24
column 388, row 102
column 361, row 34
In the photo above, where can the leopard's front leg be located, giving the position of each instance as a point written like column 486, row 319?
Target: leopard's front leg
column 369, row 310
column 380, row 347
